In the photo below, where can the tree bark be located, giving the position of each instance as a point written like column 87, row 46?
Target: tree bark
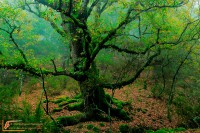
column 92, row 94
column 96, row 101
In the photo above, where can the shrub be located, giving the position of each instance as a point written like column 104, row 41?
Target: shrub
column 102, row 124
column 124, row 128
column 96, row 129
column 90, row 126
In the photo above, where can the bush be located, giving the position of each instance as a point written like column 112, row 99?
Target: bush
column 7, row 92
column 90, row 126
column 189, row 110
column 124, row 128
column 102, row 124
column 96, row 129
column 156, row 90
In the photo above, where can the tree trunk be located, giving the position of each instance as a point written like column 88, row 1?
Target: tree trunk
column 96, row 101
column 94, row 96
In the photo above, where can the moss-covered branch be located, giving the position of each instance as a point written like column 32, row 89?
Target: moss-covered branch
column 36, row 72
column 55, row 4
column 128, row 51
column 71, row 120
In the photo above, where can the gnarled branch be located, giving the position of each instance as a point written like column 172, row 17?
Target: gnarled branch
column 131, row 80
column 128, row 51
column 36, row 72
column 13, row 28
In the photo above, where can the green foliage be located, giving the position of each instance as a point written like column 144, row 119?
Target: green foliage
column 102, row 124
column 185, row 92
column 39, row 113
column 96, row 129
column 27, row 115
column 90, row 126
column 9, row 87
column 51, row 127
column 93, row 128
column 161, row 131
column 156, row 90
column 165, row 130
column 32, row 84
column 188, row 111
column 179, row 129
column 55, row 85
column 124, row 128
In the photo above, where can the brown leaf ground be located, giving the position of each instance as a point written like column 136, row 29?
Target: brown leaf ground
column 146, row 110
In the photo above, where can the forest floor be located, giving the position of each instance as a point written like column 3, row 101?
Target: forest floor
column 145, row 110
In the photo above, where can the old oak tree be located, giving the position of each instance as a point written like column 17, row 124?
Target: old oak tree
column 139, row 29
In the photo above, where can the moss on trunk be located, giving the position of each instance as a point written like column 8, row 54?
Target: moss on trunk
column 93, row 102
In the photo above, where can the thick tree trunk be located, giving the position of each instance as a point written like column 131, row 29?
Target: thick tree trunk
column 96, row 101
column 94, row 98
column 92, row 94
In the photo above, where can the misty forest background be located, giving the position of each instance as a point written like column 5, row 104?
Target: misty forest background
column 93, row 57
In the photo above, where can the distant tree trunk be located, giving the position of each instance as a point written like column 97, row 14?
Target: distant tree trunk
column 64, row 67
column 173, row 86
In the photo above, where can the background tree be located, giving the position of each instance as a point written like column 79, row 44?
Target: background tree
column 119, row 31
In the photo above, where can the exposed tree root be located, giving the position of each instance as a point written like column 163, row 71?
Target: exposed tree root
column 75, row 106
column 56, row 110
column 119, row 104
column 71, row 120
column 116, row 108
column 95, row 112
